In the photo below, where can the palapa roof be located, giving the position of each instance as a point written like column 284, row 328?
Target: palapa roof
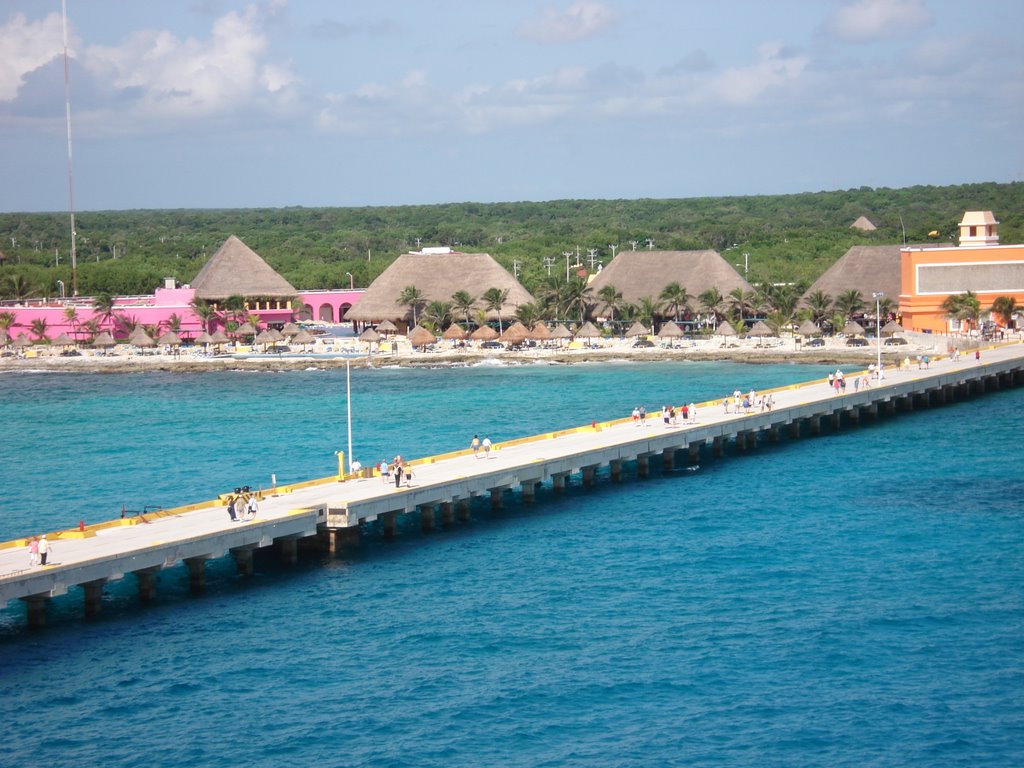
column 484, row 333
column 760, row 328
column 66, row 341
column 140, row 338
column 237, row 270
column 515, row 333
column 636, row 274
column 561, row 332
column 670, row 331
column 303, row 337
column 588, row 331
column 725, row 329
column 637, row 329
column 421, row 337
column 539, row 332
column 437, row 276
column 892, row 327
column 853, row 328
column 864, row 224
column 808, row 328
column 219, row 337
column 170, row 338
column 105, row 339
column 454, row 332
column 369, row 335
column 204, row 338
column 864, row 268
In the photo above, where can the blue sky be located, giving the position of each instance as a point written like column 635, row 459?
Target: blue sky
column 218, row 103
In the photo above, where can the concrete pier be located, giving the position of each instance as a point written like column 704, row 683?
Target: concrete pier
column 332, row 513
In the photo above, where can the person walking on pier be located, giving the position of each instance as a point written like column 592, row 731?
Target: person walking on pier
column 232, row 500
column 385, row 470
column 251, row 506
column 475, row 445
column 44, row 549
column 487, row 447
column 399, row 469
column 33, row 552
column 693, row 413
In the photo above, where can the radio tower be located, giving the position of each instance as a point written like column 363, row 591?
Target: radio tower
column 71, row 184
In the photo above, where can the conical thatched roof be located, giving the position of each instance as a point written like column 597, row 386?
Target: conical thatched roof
column 236, row 269
column 808, row 328
column 219, row 337
column 484, row 333
column 670, row 331
column 853, row 329
column 864, row 268
column 105, row 339
column 437, row 276
column 204, row 338
column 245, row 329
column 66, row 341
column 169, row 339
column 24, row 341
column 369, row 335
column 140, row 338
column 265, row 337
column 760, row 328
column 387, row 327
column 636, row 274
column 515, row 333
column 588, row 331
column 864, row 224
column 290, row 329
column 561, row 332
column 454, row 332
column 539, row 332
column 637, row 329
column 421, row 337
column 725, row 329
column 892, row 327
column 303, row 337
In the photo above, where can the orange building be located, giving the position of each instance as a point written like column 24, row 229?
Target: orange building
column 980, row 264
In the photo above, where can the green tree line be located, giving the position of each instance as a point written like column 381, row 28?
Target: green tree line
column 788, row 238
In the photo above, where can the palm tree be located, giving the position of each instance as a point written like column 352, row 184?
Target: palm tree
column 675, row 298
column 849, row 303
column 820, row 305
column 298, row 308
column 18, row 287
column 438, row 314
column 1004, row 307
column 741, row 304
column 965, row 307
column 494, row 300
column 612, row 299
column 204, row 312
column 528, row 314
column 38, row 328
column 234, row 307
column 462, row 303
column 551, row 294
column 712, row 301
column 103, row 306
column 647, row 310
column 412, row 297
column 7, row 321
column 71, row 318
column 577, row 298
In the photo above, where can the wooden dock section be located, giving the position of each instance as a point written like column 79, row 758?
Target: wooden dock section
column 443, row 487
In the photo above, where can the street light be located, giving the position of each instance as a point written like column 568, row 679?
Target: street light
column 877, row 296
column 351, row 281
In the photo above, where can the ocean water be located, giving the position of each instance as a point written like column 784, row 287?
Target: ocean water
column 854, row 599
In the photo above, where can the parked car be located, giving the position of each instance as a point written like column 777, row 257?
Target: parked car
column 816, row 343
column 856, row 341
column 893, row 341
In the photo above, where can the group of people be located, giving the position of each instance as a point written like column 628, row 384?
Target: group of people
column 748, row 403
column 397, row 469
column 481, row 448
column 242, row 504
column 671, row 416
column 39, row 550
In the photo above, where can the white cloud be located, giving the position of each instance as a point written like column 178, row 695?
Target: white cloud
column 862, row 21
column 582, row 20
column 168, row 76
column 776, row 67
column 25, row 47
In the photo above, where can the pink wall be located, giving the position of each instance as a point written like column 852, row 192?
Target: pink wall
column 156, row 309
column 332, row 305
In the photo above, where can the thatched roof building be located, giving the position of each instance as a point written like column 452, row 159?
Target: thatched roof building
column 865, row 268
column 864, row 224
column 237, row 270
column 437, row 276
column 636, row 274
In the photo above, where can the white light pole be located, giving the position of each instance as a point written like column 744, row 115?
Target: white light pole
column 877, row 296
column 351, row 281
column 348, row 407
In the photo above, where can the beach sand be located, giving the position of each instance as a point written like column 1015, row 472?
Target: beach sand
column 747, row 351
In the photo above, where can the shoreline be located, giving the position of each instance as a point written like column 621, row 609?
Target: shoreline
column 454, row 359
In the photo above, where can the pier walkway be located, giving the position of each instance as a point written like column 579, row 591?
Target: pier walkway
column 443, row 486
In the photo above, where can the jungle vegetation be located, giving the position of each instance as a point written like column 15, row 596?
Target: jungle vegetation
column 787, row 238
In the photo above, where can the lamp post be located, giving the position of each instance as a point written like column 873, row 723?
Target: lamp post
column 351, row 281
column 877, row 296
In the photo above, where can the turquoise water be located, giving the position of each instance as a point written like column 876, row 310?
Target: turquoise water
column 854, row 599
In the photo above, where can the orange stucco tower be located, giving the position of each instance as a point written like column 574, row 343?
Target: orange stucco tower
column 979, row 264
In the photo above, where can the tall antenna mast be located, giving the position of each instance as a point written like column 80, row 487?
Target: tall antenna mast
column 71, row 183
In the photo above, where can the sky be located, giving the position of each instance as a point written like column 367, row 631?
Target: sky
column 234, row 104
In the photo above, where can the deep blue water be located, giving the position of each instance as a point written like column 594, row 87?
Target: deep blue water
column 854, row 599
